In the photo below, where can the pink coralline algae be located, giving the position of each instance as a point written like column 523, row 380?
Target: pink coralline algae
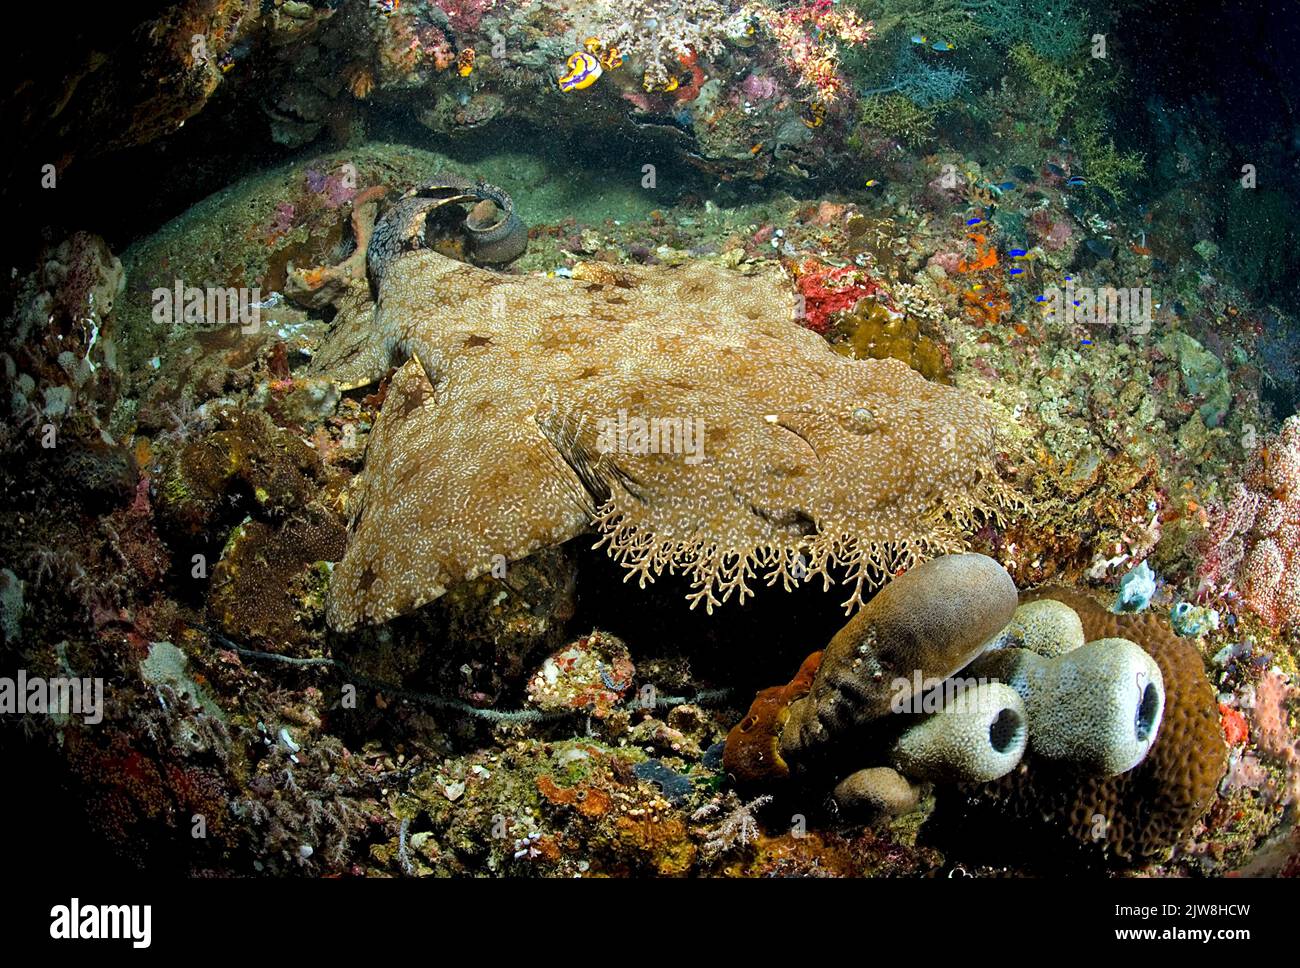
column 808, row 35
column 335, row 189
column 339, row 188
column 593, row 674
column 758, row 88
column 944, row 191
column 1054, row 233
column 947, row 261
column 466, row 15
column 283, row 221
column 1276, row 739
column 1253, row 546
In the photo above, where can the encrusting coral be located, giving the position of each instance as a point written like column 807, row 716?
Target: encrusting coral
column 683, row 412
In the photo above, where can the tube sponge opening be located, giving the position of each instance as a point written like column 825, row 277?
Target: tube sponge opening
column 980, row 736
column 1098, row 707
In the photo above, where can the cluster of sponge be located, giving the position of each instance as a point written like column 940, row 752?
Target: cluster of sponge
column 944, row 678
column 1143, row 812
column 1097, row 704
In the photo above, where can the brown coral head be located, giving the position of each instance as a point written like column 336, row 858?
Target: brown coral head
column 752, row 754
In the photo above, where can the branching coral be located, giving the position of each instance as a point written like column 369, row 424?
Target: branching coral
column 1056, row 32
column 660, row 35
column 897, row 116
column 1107, row 168
column 809, row 34
column 1055, row 84
column 948, row 20
column 921, row 82
column 738, row 827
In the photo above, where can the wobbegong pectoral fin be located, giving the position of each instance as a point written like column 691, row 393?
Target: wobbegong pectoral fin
column 457, row 479
column 354, row 353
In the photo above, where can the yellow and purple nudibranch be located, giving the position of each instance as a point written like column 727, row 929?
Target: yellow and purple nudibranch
column 584, row 71
column 585, row 67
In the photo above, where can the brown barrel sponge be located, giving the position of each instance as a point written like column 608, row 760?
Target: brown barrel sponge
column 1140, row 814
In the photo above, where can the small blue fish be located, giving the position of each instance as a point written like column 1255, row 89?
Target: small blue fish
column 1086, row 342
column 941, row 46
column 1016, row 272
column 920, row 39
column 1018, row 253
column 1005, row 186
column 1041, row 299
column 974, row 221
column 1076, row 181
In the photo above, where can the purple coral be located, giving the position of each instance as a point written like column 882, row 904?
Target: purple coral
column 338, row 190
column 283, row 221
column 758, row 88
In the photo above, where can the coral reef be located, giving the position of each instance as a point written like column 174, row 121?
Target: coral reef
column 593, row 673
column 1253, row 542
column 808, row 34
column 243, row 462
column 870, row 331
column 660, row 37
column 264, row 586
column 897, row 116
column 1124, row 769
column 1056, row 32
column 922, row 83
column 806, row 289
